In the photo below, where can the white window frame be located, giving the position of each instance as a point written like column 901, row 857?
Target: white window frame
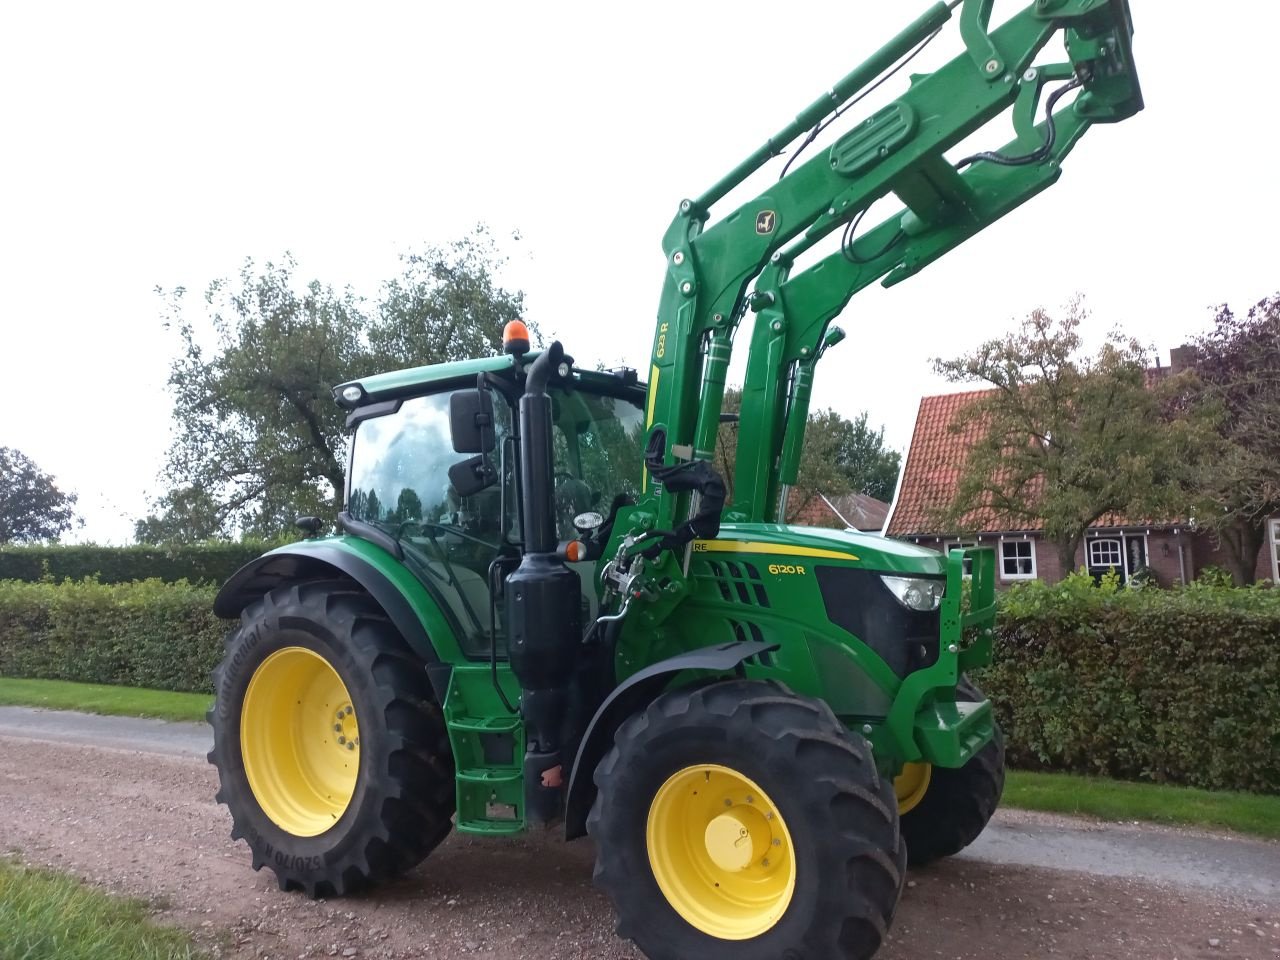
column 1274, row 527
column 968, row 567
column 1121, row 561
column 1018, row 576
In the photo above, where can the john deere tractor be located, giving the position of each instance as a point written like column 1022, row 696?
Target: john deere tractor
column 542, row 608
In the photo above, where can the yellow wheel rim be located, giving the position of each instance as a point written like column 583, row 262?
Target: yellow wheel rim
column 300, row 741
column 911, row 785
column 720, row 852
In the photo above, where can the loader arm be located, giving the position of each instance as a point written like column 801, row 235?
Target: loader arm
column 901, row 150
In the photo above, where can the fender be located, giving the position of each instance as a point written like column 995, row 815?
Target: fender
column 286, row 566
column 636, row 693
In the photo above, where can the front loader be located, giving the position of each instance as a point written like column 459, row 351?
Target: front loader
column 543, row 609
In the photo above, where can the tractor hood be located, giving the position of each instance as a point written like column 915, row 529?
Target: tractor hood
column 868, row 550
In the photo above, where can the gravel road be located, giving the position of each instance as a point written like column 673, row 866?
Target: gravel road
column 128, row 805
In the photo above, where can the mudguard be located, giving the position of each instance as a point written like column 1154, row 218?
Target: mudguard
column 636, row 693
column 282, row 567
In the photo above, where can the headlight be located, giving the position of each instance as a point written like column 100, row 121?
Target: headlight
column 922, row 595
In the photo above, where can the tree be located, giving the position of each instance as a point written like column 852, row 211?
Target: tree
column 1063, row 440
column 258, row 439
column 1238, row 368
column 840, row 456
column 32, row 508
column 862, row 457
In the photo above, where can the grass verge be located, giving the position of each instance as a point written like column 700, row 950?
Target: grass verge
column 47, row 916
column 102, row 698
column 1118, row 800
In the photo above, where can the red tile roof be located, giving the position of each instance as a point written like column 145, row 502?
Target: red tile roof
column 934, row 462
column 939, row 446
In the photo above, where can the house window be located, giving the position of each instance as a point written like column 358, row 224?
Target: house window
column 1106, row 553
column 1017, row 560
column 1275, row 550
column 968, row 562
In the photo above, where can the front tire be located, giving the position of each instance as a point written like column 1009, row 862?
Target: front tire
column 954, row 806
column 740, row 821
column 332, row 753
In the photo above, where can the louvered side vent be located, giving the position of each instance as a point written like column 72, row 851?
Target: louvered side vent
column 739, row 582
column 742, row 632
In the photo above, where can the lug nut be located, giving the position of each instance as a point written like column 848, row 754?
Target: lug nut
column 351, row 746
column 342, row 739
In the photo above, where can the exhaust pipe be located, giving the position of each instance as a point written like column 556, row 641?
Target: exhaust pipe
column 543, row 604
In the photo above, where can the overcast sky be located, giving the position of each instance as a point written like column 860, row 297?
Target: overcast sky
column 159, row 145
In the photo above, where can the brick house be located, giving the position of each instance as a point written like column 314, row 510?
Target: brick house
column 1173, row 552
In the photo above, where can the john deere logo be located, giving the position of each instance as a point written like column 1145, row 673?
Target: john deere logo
column 766, row 220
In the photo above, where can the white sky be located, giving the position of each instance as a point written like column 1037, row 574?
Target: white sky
column 161, row 144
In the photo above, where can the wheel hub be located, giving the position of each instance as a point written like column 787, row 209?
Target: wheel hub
column 300, row 741
column 720, row 852
column 737, row 838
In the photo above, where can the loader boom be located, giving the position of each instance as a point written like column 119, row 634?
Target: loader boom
column 900, row 150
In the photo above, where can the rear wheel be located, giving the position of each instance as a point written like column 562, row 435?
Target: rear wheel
column 740, row 821
column 943, row 811
column 331, row 751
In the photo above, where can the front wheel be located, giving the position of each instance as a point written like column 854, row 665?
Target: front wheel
column 943, row 811
column 741, row 821
column 331, row 750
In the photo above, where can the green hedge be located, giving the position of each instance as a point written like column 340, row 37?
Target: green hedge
column 197, row 562
column 1172, row 686
column 145, row 634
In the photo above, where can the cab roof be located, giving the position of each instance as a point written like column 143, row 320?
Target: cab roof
column 403, row 383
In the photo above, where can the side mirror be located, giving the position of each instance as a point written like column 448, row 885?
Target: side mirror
column 470, row 476
column 471, row 422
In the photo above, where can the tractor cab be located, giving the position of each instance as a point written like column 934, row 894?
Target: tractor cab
column 434, row 470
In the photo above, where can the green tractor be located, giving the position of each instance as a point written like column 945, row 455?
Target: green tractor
column 541, row 609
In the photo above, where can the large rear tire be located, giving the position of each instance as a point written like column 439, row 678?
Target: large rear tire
column 331, row 750
column 953, row 806
column 738, row 821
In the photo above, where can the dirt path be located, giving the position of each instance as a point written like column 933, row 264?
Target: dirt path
column 145, row 824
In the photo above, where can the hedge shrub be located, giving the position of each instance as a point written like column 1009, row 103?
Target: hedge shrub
column 145, row 634
column 1174, row 686
column 197, row 562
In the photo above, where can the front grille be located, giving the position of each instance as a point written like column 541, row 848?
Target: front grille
column 859, row 602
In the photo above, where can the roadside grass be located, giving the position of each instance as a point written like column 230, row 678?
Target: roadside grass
column 102, row 698
column 1119, row 800
column 47, row 916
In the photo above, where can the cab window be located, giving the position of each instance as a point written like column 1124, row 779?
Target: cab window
column 400, row 484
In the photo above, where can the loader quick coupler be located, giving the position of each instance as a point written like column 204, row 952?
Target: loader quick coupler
column 542, row 605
